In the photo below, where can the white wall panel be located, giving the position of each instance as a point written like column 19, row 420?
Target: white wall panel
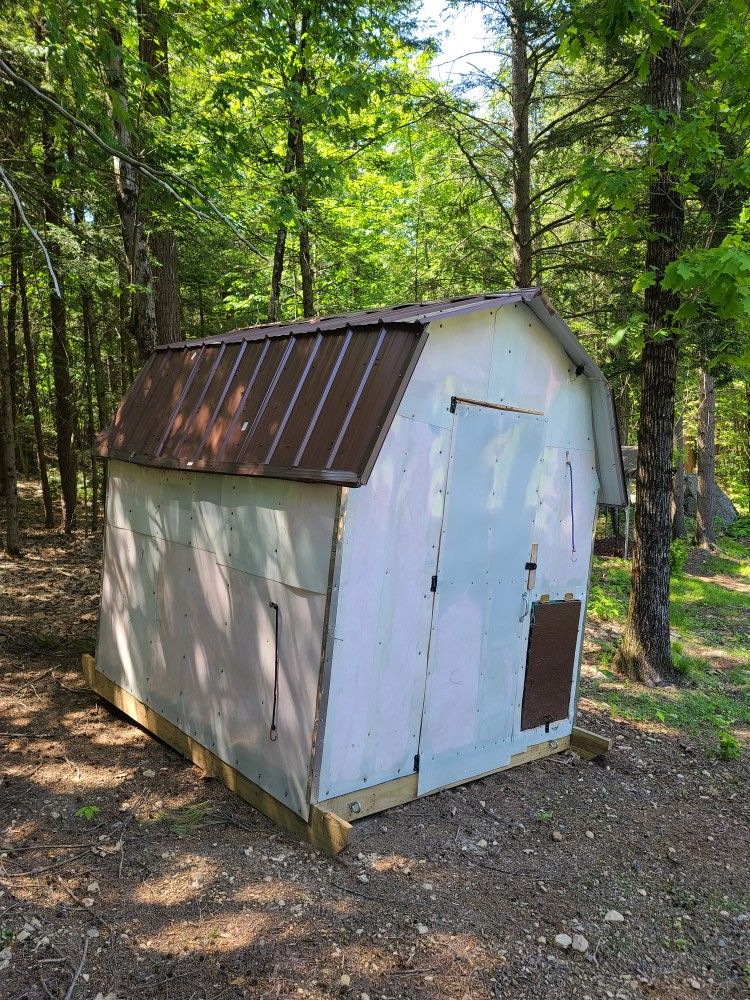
column 276, row 529
column 501, row 356
column 129, row 641
column 194, row 639
column 384, row 608
column 560, row 570
column 456, row 361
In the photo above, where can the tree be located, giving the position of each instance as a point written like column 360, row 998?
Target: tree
column 153, row 49
column 12, row 526
column 128, row 196
column 705, row 530
column 646, row 651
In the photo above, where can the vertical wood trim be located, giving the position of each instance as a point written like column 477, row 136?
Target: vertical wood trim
column 327, row 647
column 531, row 581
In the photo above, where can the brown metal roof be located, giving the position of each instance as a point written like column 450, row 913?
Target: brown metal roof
column 310, row 405
column 406, row 312
column 309, row 400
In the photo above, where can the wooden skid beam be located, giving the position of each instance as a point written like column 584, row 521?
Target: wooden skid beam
column 366, row 801
column 587, row 744
column 325, row 830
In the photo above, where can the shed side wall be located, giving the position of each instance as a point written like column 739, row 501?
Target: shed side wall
column 502, row 356
column 191, row 564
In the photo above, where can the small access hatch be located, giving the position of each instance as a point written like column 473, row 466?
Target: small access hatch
column 550, row 662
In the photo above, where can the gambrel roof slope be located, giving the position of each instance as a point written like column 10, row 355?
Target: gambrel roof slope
column 310, row 400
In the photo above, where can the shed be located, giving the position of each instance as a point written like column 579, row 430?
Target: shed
column 346, row 559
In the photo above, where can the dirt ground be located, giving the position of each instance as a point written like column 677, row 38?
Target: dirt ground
column 125, row 874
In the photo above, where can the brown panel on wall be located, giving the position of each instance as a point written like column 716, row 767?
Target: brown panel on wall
column 550, row 662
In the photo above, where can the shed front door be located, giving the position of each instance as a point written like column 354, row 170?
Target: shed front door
column 479, row 623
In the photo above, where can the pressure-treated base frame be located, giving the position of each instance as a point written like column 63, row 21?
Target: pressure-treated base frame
column 329, row 825
column 323, row 829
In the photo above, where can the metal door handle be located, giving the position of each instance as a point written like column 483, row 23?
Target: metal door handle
column 526, row 606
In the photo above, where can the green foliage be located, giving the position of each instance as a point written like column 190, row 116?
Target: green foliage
column 545, row 816
column 740, row 528
column 730, row 747
column 714, row 698
column 88, row 813
column 679, row 550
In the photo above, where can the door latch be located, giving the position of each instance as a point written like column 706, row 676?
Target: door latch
column 526, row 606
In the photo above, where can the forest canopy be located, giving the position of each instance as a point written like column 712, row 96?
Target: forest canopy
column 169, row 171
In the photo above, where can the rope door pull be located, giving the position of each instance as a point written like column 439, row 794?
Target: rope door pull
column 273, row 735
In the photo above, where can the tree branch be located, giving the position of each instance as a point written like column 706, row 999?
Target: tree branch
column 158, row 176
column 35, row 235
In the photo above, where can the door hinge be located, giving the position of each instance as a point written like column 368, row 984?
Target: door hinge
column 416, row 761
column 433, row 584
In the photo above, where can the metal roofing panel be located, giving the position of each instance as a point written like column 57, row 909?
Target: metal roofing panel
column 313, row 399
column 296, row 404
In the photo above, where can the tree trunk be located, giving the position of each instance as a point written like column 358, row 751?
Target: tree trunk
column 274, row 299
column 678, row 481
column 12, row 527
column 705, row 532
column 163, row 244
column 99, row 381
column 305, row 259
column 64, row 409
column 294, row 183
column 645, row 652
column 519, row 101
column 14, row 367
column 17, row 251
column 87, row 313
column 153, row 46
column 128, row 197
column 12, row 325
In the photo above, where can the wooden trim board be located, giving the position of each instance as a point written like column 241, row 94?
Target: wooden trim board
column 324, row 829
column 587, row 744
column 366, row 801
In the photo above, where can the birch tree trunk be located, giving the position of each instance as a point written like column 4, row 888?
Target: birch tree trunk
column 128, row 198
column 153, row 47
column 646, row 652
column 87, row 312
column 705, row 532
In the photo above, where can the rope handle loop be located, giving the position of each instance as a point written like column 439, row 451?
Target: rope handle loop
column 273, row 733
column 573, row 554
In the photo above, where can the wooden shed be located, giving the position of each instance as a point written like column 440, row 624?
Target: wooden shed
column 346, row 559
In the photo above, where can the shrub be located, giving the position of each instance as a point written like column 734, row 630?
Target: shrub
column 730, row 747
column 678, row 553
column 740, row 528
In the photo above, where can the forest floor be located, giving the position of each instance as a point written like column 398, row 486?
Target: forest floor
column 124, row 874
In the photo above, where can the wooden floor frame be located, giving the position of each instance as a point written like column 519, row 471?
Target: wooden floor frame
column 330, row 822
